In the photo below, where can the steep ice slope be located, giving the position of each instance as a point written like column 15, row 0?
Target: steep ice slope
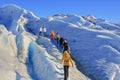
column 10, row 67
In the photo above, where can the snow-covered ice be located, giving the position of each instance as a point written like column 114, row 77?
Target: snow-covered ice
column 94, row 46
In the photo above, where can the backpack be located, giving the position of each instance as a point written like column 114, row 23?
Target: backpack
column 66, row 48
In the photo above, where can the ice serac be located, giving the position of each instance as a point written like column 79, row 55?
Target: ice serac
column 14, row 17
column 10, row 66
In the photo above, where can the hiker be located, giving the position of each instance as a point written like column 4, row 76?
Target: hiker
column 52, row 34
column 57, row 37
column 64, row 42
column 61, row 41
column 40, row 33
column 44, row 31
column 66, row 48
column 66, row 60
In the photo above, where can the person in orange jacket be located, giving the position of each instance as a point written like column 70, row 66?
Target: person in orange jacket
column 66, row 60
column 52, row 34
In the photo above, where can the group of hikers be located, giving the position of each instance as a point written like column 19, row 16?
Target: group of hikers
column 66, row 58
column 42, row 31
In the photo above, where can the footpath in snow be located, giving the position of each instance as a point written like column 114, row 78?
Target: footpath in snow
column 74, row 73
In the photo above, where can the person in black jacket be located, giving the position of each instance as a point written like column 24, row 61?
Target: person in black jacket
column 66, row 47
column 61, row 41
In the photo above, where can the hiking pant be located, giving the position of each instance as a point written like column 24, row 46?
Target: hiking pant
column 66, row 72
column 52, row 37
column 40, row 34
column 44, row 33
column 57, row 40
